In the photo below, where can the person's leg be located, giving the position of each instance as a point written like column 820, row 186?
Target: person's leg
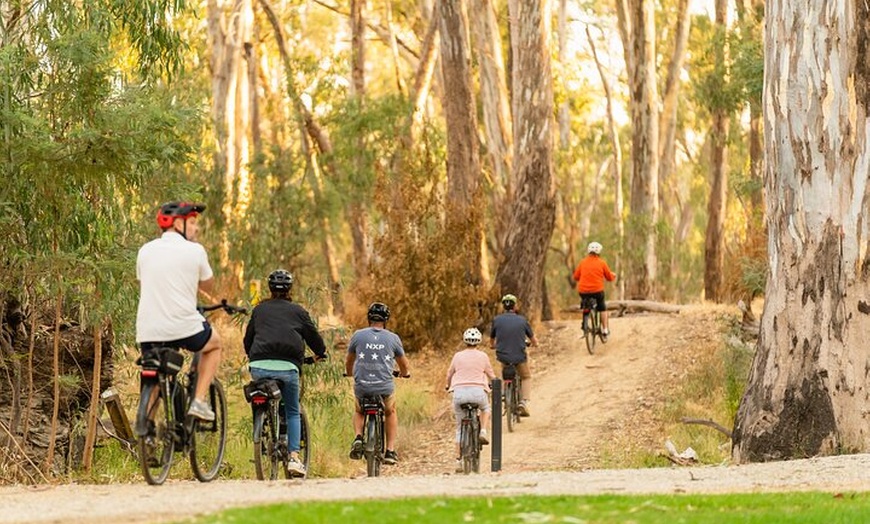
column 290, row 392
column 602, row 308
column 526, row 375
column 391, row 421
column 209, row 360
column 358, row 419
column 457, row 415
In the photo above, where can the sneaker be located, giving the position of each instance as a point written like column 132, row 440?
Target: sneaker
column 295, row 467
column 390, row 457
column 523, row 408
column 201, row 410
column 483, row 437
column 605, row 331
column 356, row 449
column 459, row 468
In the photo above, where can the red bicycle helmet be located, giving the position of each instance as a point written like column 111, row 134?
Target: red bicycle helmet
column 172, row 210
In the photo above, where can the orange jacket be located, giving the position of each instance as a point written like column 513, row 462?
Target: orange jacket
column 591, row 273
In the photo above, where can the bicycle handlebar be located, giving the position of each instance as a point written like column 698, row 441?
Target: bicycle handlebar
column 228, row 308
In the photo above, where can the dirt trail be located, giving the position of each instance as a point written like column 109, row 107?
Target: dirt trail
column 580, row 401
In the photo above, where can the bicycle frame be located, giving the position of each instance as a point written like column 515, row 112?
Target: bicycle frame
column 469, row 444
column 373, row 435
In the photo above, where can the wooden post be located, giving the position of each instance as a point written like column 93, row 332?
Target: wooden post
column 495, row 444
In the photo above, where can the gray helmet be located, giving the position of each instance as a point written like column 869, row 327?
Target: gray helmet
column 280, row 281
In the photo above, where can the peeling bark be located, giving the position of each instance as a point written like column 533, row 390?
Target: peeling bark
column 808, row 386
column 533, row 211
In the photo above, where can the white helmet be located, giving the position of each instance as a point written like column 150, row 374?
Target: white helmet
column 594, row 247
column 472, row 336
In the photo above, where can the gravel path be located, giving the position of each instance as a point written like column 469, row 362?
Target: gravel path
column 137, row 503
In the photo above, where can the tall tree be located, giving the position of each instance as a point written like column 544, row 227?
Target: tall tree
column 495, row 103
column 638, row 32
column 808, row 386
column 357, row 216
column 714, row 243
column 532, row 213
column 463, row 157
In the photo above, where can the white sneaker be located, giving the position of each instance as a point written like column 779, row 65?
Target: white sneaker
column 459, row 468
column 295, row 467
column 201, row 410
column 484, row 437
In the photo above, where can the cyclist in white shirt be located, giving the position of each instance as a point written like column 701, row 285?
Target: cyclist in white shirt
column 171, row 270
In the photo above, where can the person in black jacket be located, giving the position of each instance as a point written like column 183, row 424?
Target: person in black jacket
column 275, row 344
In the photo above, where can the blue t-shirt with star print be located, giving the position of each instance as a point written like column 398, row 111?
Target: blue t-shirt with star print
column 376, row 350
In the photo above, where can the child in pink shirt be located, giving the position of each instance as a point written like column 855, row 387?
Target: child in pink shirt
column 468, row 378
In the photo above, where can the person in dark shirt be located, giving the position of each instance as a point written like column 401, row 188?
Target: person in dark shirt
column 510, row 335
column 275, row 342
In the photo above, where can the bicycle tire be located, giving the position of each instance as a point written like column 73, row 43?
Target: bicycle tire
column 509, row 405
column 155, row 451
column 591, row 332
column 465, row 446
column 304, row 441
column 208, row 439
column 475, row 443
column 265, row 446
column 373, row 447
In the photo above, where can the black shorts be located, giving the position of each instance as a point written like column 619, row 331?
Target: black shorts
column 192, row 343
column 599, row 299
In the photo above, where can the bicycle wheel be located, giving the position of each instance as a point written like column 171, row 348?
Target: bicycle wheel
column 466, row 446
column 208, row 439
column 265, row 447
column 157, row 443
column 509, row 404
column 591, row 332
column 304, row 440
column 475, row 444
column 373, row 447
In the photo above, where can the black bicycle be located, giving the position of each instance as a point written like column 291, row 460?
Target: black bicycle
column 591, row 323
column 512, row 391
column 162, row 424
column 374, row 437
column 469, row 438
column 271, row 454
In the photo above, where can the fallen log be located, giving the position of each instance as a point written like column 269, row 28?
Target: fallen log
column 632, row 306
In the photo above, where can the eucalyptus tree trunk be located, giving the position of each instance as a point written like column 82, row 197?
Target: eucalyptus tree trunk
column 808, row 386
column 496, row 114
column 618, row 199
column 357, row 216
column 463, row 158
column 324, row 146
column 714, row 241
column 533, row 211
column 564, row 109
column 227, row 32
column 644, row 201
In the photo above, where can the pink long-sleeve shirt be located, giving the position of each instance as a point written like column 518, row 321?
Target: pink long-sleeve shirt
column 469, row 368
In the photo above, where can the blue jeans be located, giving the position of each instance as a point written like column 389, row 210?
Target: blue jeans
column 290, row 394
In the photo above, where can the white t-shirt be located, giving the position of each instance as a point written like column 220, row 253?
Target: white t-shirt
column 169, row 270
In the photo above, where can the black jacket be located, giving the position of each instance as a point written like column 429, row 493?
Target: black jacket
column 279, row 330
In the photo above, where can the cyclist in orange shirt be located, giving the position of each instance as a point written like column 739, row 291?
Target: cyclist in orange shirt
column 590, row 275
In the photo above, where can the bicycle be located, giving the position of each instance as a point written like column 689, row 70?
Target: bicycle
column 469, row 438
column 374, row 438
column 592, row 316
column 270, row 429
column 162, row 424
column 512, row 390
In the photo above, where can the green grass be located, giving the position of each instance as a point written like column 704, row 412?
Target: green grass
column 708, row 509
